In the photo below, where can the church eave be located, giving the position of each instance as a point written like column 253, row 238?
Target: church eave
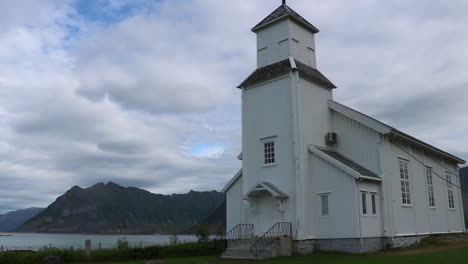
column 306, row 25
column 284, row 67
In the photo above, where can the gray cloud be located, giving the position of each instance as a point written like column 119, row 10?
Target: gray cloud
column 83, row 102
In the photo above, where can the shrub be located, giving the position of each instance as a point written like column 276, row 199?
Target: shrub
column 123, row 253
column 202, row 233
column 122, row 243
column 173, row 239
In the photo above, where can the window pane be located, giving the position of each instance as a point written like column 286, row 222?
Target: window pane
column 374, row 205
column 364, row 203
column 324, row 205
column 405, row 188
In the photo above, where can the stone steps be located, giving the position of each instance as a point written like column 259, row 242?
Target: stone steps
column 243, row 253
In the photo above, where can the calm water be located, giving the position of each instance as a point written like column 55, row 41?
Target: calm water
column 13, row 241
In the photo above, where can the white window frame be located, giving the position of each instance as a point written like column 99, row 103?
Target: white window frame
column 430, row 187
column 451, row 198
column 269, row 146
column 374, row 203
column 405, row 182
column 364, row 208
column 325, row 197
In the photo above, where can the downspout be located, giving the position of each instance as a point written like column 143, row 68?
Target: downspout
column 297, row 198
column 359, row 212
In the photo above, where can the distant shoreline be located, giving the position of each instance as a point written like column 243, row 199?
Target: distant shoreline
column 5, row 234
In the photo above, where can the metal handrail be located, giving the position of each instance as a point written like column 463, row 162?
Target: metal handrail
column 280, row 229
column 240, row 231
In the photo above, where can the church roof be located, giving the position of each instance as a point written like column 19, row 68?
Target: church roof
column 265, row 187
column 283, row 12
column 386, row 129
column 284, row 67
column 349, row 163
column 345, row 164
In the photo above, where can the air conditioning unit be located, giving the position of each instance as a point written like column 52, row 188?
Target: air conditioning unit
column 331, row 138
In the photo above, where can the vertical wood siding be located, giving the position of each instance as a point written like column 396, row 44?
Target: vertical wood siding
column 234, row 205
column 357, row 142
column 342, row 221
column 419, row 218
column 273, row 44
column 303, row 44
column 267, row 112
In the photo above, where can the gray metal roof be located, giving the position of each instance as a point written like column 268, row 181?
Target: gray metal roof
column 349, row 163
column 281, row 13
column 284, row 67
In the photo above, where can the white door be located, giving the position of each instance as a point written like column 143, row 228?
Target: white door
column 266, row 215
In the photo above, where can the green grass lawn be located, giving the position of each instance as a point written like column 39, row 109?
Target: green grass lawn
column 438, row 257
column 430, row 254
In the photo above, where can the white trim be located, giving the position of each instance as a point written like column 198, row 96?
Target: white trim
column 263, row 186
column 370, row 178
column 269, row 138
column 358, row 117
column 292, row 62
column 425, row 234
column 286, row 75
column 340, row 165
column 232, row 181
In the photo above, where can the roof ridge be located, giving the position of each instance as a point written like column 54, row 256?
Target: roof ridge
column 284, row 11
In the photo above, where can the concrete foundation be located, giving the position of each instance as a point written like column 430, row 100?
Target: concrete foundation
column 354, row 245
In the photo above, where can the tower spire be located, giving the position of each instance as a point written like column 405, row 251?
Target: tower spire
column 284, row 2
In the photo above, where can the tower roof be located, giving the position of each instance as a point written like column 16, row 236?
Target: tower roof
column 284, row 12
column 284, row 67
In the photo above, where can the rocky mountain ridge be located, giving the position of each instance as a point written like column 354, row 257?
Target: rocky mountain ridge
column 111, row 208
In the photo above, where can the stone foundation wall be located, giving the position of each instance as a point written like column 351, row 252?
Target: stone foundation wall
column 353, row 245
column 406, row 241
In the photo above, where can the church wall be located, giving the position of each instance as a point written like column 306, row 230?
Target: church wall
column 419, row 218
column 356, row 141
column 371, row 224
column 234, row 205
column 303, row 44
column 312, row 122
column 266, row 111
column 273, row 43
column 342, row 221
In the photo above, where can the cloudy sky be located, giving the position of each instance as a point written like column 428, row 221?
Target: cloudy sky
column 142, row 92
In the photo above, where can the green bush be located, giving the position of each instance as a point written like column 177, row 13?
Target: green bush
column 108, row 255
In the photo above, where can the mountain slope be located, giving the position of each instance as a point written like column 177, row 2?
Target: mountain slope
column 12, row 220
column 110, row 208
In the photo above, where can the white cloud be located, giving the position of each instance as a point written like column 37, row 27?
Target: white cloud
column 83, row 101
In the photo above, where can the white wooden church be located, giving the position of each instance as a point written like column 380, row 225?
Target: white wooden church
column 328, row 176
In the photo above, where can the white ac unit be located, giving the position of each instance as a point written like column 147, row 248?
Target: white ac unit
column 331, row 138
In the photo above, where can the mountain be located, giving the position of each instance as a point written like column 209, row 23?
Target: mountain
column 464, row 185
column 12, row 220
column 111, row 208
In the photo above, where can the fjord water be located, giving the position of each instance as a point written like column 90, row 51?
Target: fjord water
column 20, row 241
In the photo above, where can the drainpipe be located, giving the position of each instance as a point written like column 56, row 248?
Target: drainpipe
column 359, row 212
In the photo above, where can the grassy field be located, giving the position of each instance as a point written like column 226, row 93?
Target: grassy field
column 435, row 251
